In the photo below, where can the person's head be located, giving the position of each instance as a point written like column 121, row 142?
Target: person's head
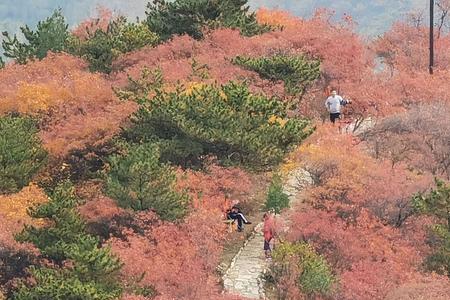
column 333, row 93
column 234, row 209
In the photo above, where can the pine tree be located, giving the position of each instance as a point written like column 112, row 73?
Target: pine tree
column 227, row 121
column 102, row 47
column 167, row 18
column 139, row 181
column 82, row 269
column 51, row 34
column 21, row 153
column 277, row 199
column 437, row 204
column 297, row 72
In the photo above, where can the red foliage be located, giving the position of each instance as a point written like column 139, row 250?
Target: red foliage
column 371, row 258
column 100, row 208
column 404, row 78
column 360, row 217
column 76, row 107
column 91, row 25
column 342, row 52
column 217, row 188
column 344, row 173
column 178, row 260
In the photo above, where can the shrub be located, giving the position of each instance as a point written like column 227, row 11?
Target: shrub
column 297, row 72
column 51, row 34
column 191, row 16
column 21, row 155
column 276, row 200
column 314, row 275
column 226, row 121
column 437, row 203
column 97, row 50
column 81, row 270
column 76, row 108
column 439, row 260
column 102, row 47
column 139, row 181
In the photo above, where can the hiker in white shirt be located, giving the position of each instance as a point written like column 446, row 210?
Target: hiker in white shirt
column 334, row 104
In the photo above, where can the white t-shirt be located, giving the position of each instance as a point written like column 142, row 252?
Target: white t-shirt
column 334, row 103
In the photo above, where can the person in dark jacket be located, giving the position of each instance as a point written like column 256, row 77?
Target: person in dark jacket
column 236, row 214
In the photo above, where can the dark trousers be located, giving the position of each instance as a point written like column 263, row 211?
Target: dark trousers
column 334, row 117
column 239, row 217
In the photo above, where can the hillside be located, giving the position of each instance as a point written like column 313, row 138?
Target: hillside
column 373, row 17
column 124, row 144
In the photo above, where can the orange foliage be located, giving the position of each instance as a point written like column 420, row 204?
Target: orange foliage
column 100, row 208
column 403, row 78
column 345, row 60
column 15, row 206
column 91, row 25
column 361, row 217
column 13, row 216
column 178, row 260
column 76, row 107
column 276, row 17
column 218, row 188
column 33, row 98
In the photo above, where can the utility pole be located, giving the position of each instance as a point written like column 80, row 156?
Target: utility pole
column 431, row 36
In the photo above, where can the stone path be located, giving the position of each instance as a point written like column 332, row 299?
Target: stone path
column 244, row 276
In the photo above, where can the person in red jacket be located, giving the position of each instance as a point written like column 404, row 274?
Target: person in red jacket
column 269, row 232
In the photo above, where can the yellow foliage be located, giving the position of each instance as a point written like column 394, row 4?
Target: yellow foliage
column 288, row 166
column 192, row 87
column 276, row 18
column 274, row 119
column 32, row 98
column 223, row 96
column 15, row 206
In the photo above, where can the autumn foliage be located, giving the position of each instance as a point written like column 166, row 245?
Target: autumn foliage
column 76, row 108
column 177, row 260
column 361, row 215
column 195, row 111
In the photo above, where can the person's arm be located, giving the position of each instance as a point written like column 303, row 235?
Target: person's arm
column 327, row 104
column 344, row 102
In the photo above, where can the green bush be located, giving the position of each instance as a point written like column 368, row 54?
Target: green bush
column 439, row 260
column 21, row 154
column 81, row 269
column 168, row 18
column 51, row 34
column 226, row 121
column 315, row 275
column 297, row 72
column 276, row 200
column 98, row 51
column 101, row 48
column 437, row 203
column 139, row 181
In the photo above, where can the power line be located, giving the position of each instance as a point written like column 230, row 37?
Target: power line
column 431, row 66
